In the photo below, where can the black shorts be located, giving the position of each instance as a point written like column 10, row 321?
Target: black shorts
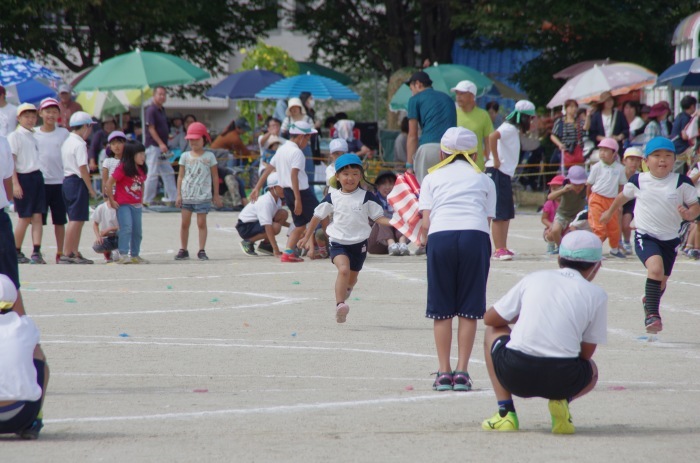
column 249, row 229
column 357, row 253
column 33, row 195
column 77, row 199
column 528, row 376
column 30, row 411
column 646, row 246
column 55, row 203
column 308, row 204
column 8, row 253
column 628, row 207
column 505, row 209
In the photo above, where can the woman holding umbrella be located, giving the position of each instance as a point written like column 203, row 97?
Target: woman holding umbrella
column 608, row 122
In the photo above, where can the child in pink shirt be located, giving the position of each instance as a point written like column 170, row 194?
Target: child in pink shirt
column 549, row 210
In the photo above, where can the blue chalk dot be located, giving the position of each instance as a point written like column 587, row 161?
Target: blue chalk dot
column 123, row 335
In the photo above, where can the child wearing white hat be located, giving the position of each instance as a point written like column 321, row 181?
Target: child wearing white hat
column 262, row 220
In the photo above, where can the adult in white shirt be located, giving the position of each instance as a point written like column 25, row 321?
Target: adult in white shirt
column 50, row 138
column 558, row 318
column 8, row 114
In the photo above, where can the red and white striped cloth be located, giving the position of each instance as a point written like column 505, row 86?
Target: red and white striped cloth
column 404, row 200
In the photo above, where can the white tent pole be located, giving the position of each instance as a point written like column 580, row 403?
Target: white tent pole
column 143, row 121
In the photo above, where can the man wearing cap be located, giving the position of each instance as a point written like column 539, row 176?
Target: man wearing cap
column 433, row 112
column 27, row 182
column 157, row 131
column 66, row 105
column 99, row 141
column 471, row 117
column 559, row 317
column 50, row 138
column 8, row 114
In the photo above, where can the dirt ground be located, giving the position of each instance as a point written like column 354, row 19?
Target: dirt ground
column 240, row 359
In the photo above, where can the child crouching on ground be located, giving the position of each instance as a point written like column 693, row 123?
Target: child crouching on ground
column 352, row 207
column 457, row 202
column 263, row 220
column 106, row 226
column 572, row 200
column 662, row 197
column 549, row 211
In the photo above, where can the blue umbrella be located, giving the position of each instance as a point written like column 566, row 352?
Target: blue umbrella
column 244, row 85
column 15, row 70
column 322, row 88
column 31, row 91
column 684, row 75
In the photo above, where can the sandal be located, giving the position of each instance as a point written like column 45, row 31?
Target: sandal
column 461, row 381
column 443, row 382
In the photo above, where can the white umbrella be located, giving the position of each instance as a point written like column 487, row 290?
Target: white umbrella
column 617, row 78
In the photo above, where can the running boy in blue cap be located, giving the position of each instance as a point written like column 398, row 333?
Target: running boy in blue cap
column 351, row 207
column 558, row 317
column 664, row 200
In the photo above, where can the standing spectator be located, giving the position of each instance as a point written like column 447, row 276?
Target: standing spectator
column 567, row 132
column 492, row 108
column 176, row 137
column 50, row 138
column 400, row 143
column 127, row 125
column 99, row 141
column 631, row 111
column 8, row 114
column 658, row 125
column 607, row 122
column 156, row 148
column 472, row 117
column 313, row 152
column 296, row 112
column 66, row 104
column 272, row 130
column 433, row 112
column 684, row 150
column 77, row 185
column 27, row 183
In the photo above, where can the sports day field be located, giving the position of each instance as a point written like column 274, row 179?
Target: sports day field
column 240, row 359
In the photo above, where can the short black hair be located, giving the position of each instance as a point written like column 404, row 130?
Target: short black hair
column 575, row 264
column 404, row 125
column 341, row 115
column 688, row 102
column 492, row 105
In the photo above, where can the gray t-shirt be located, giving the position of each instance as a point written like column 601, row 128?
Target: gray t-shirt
column 196, row 185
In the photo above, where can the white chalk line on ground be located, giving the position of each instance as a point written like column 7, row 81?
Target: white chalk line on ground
column 394, row 274
column 205, row 339
column 117, row 279
column 270, row 410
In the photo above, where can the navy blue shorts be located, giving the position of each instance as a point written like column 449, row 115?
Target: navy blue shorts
column 628, row 207
column 249, row 229
column 308, row 204
column 646, row 246
column 33, row 195
column 30, row 411
column 458, row 269
column 357, row 253
column 54, row 203
column 525, row 375
column 505, row 209
column 109, row 243
column 8, row 253
column 77, row 199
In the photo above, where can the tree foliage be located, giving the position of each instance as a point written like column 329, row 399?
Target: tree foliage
column 82, row 33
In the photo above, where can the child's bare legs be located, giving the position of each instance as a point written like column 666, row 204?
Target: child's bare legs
column 21, row 230
column 59, row 232
column 70, row 246
column 466, row 332
column 202, row 226
column 626, row 229
column 442, row 330
column 185, row 228
column 555, row 233
column 296, row 235
column 499, row 230
column 346, row 280
column 653, row 290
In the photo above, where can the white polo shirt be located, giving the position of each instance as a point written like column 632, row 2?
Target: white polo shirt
column 458, row 198
column 288, row 157
column 26, row 150
column 558, row 310
column 105, row 217
column 7, row 167
column 8, row 119
column 508, row 149
column 606, row 179
column 74, row 154
column 50, row 153
column 351, row 215
column 263, row 210
column 656, row 209
column 18, row 338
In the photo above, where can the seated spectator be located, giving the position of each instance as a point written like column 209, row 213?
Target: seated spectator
column 262, row 220
column 344, row 130
column 230, row 140
column 106, row 227
column 385, row 239
column 176, row 138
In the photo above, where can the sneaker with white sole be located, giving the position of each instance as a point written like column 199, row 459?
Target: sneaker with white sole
column 561, row 417
column 617, row 253
column 503, row 254
column 341, row 312
column 264, row 247
column 248, row 248
column 394, row 249
column 403, row 247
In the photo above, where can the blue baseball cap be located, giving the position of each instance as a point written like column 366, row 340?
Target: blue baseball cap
column 659, row 143
column 347, row 159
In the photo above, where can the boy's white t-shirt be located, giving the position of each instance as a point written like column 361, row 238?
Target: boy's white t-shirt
column 50, row 153
column 693, row 172
column 351, row 212
column 458, row 198
column 288, row 157
column 558, row 310
column 74, row 154
column 26, row 150
column 105, row 217
column 8, row 119
column 606, row 179
column 263, row 210
column 110, row 164
column 656, row 209
column 18, row 338
column 508, row 149
column 7, row 167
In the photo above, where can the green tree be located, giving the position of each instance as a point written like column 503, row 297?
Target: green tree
column 82, row 33
column 569, row 32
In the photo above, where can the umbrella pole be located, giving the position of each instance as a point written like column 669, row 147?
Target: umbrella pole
column 143, row 121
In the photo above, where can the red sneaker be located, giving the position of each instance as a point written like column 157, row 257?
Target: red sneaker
column 503, row 254
column 290, row 258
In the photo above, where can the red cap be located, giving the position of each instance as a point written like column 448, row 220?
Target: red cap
column 47, row 103
column 197, row 130
column 557, row 180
